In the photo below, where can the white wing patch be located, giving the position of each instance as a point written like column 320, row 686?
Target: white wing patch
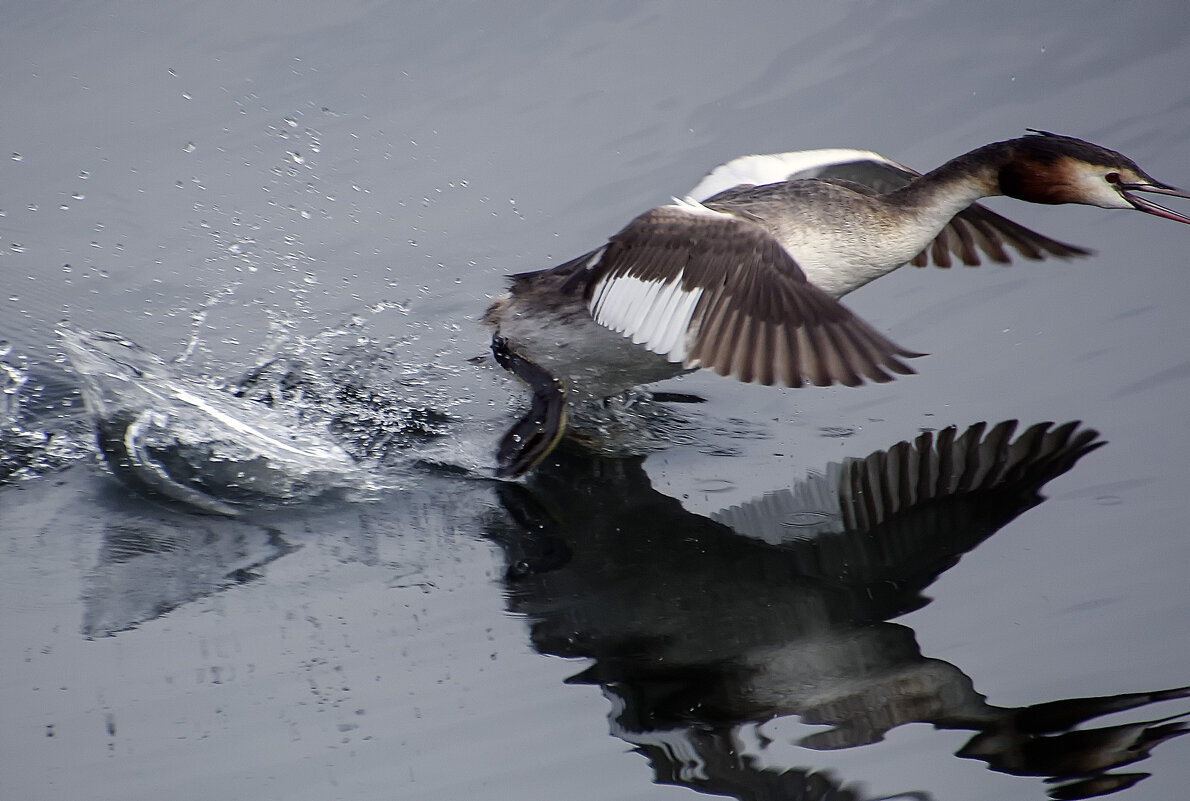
column 776, row 167
column 655, row 314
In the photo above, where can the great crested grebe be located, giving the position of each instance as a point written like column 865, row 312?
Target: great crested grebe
column 742, row 276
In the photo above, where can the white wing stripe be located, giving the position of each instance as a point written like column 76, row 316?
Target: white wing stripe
column 641, row 312
column 658, row 322
column 657, row 328
column 674, row 342
column 655, row 314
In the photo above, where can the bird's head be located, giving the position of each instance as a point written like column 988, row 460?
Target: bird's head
column 1048, row 168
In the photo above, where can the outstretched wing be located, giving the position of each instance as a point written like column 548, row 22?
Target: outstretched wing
column 971, row 232
column 707, row 289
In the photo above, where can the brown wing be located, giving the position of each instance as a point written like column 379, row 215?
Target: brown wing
column 978, row 228
column 917, row 480
column 711, row 290
column 929, row 499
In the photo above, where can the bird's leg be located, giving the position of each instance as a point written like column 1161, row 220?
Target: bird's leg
column 531, row 438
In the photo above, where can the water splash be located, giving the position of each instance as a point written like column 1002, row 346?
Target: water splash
column 11, row 382
column 374, row 404
column 38, row 435
column 178, row 437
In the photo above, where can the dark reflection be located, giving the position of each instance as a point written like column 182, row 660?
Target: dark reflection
column 701, row 627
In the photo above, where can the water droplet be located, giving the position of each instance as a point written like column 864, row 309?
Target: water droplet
column 84, row 175
column 190, row 147
column 17, row 157
column 15, row 248
column 32, row 207
column 78, row 196
column 185, row 95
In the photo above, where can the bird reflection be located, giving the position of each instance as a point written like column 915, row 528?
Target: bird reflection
column 701, row 628
column 153, row 560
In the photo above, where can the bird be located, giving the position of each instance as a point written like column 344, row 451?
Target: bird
column 743, row 275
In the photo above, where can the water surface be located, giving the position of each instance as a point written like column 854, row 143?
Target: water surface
column 335, row 193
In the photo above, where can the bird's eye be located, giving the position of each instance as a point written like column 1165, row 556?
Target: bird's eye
column 1112, row 177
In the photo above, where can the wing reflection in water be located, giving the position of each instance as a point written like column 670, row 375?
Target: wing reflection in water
column 700, row 629
column 153, row 561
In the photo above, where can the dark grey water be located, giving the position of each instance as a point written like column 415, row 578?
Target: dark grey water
column 331, row 193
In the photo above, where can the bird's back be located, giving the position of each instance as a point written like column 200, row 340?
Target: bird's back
column 842, row 234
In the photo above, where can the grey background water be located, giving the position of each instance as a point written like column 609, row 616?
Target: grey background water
column 238, row 172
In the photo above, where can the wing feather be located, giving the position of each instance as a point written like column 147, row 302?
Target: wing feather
column 711, row 290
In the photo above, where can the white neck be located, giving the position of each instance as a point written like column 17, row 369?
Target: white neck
column 860, row 239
